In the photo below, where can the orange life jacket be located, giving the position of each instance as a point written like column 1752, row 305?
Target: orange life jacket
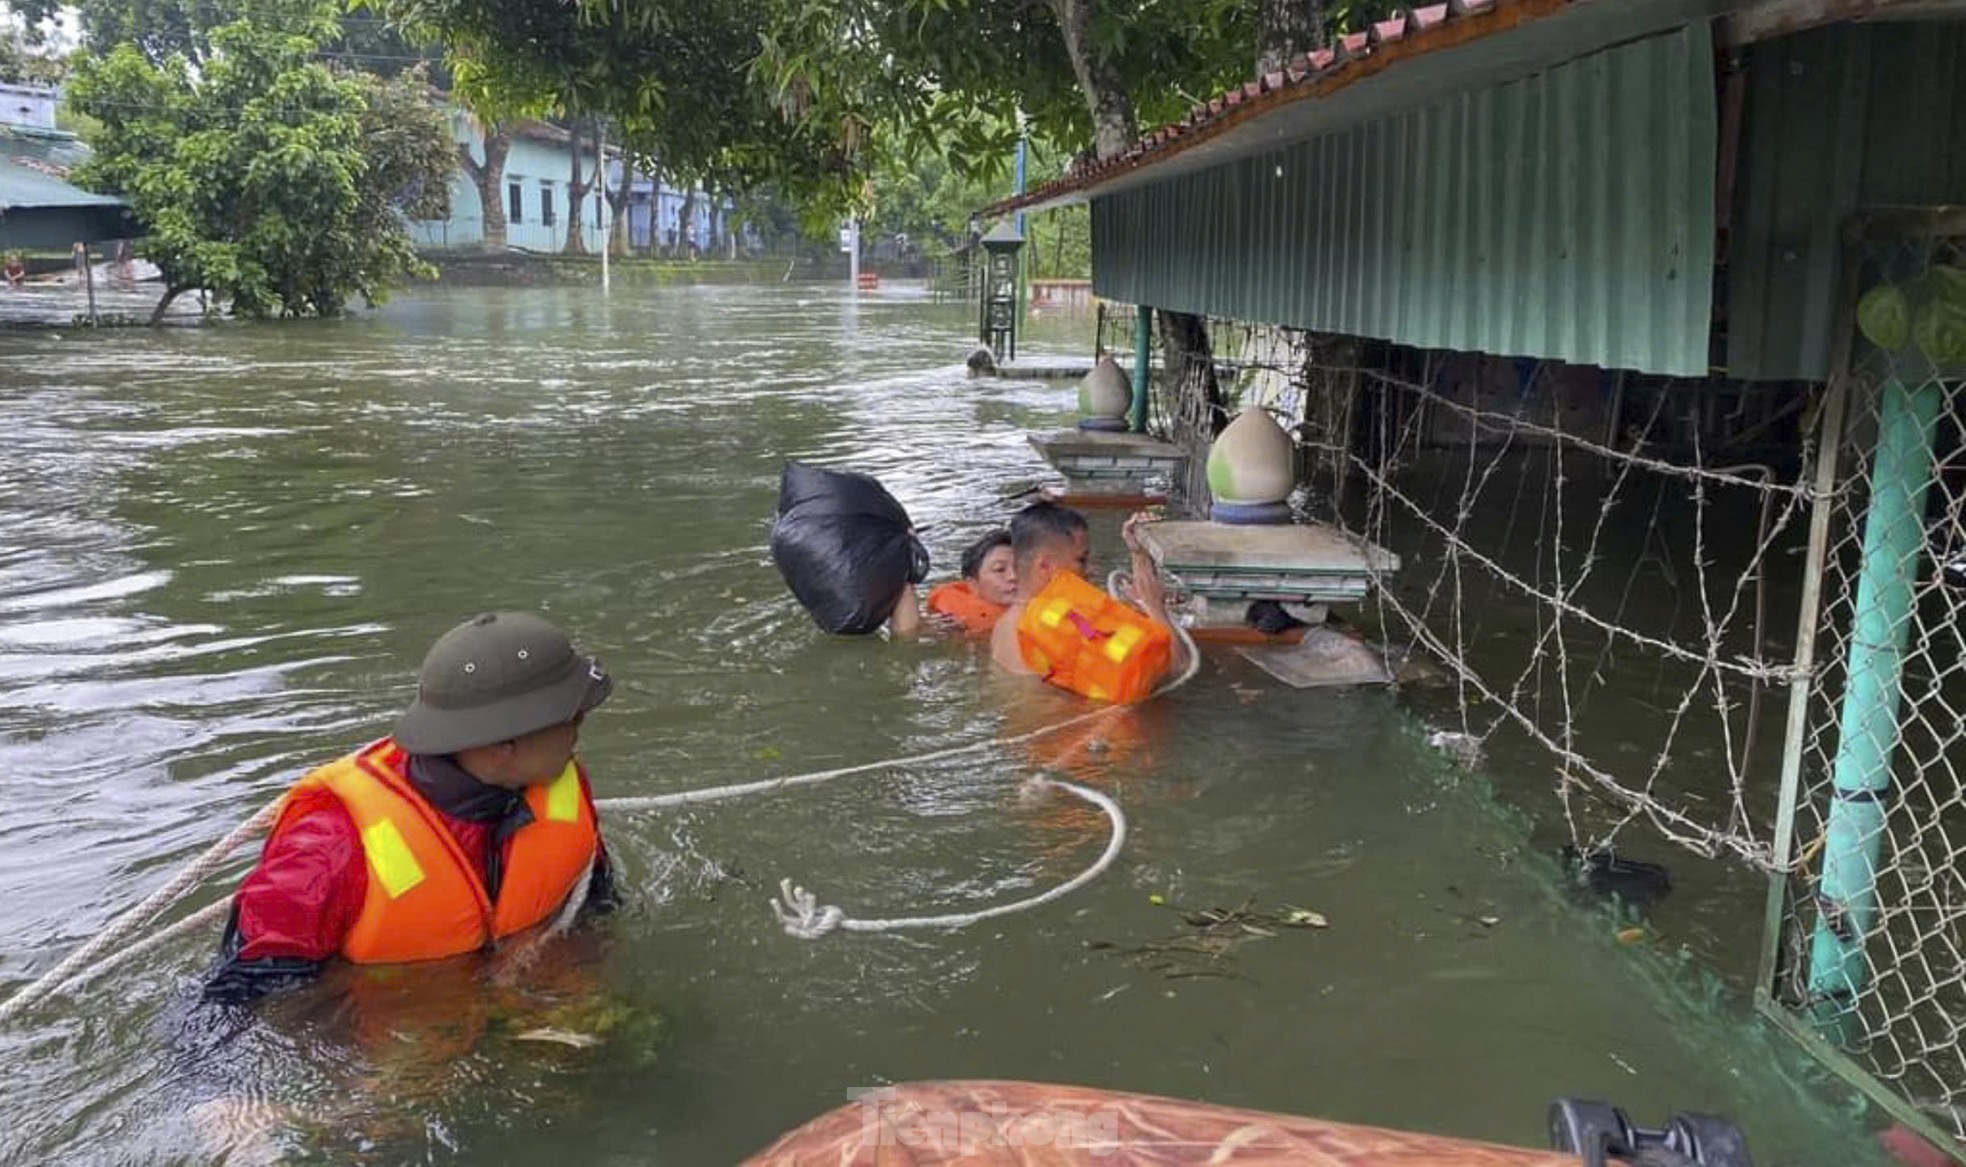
column 958, row 600
column 425, row 898
column 1079, row 638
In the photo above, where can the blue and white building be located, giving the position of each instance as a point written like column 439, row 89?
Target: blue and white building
column 536, row 191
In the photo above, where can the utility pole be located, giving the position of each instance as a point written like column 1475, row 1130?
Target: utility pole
column 601, row 210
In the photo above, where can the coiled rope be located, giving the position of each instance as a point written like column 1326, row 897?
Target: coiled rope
column 801, row 915
column 89, row 961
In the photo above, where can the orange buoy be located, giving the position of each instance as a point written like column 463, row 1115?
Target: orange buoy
column 1079, row 638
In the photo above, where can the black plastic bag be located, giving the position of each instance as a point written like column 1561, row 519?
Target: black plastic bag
column 844, row 546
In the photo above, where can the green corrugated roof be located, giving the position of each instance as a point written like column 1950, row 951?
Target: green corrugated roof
column 39, row 207
column 1566, row 216
column 1838, row 119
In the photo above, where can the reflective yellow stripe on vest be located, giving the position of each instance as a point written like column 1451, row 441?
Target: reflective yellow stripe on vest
column 563, row 797
column 390, row 858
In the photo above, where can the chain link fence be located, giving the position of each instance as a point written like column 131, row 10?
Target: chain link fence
column 1606, row 566
column 1868, row 962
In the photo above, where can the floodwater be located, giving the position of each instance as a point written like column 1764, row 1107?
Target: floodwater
column 223, row 552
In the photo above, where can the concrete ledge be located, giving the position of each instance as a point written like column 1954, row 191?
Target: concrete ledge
column 1297, row 549
column 1043, row 369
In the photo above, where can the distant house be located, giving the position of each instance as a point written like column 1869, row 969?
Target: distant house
column 534, row 189
column 40, row 210
column 32, row 106
column 655, row 216
column 535, row 193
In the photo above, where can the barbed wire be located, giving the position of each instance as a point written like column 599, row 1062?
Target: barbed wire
column 1312, row 384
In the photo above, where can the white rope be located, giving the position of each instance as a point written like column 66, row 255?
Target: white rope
column 127, row 924
column 1119, row 584
column 203, row 917
column 768, row 785
column 82, row 965
column 801, row 914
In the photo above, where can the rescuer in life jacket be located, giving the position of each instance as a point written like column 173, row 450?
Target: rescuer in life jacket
column 1050, row 546
column 470, row 823
column 970, row 605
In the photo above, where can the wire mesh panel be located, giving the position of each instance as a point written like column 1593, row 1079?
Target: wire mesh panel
column 1587, row 557
column 1607, row 567
column 1872, row 905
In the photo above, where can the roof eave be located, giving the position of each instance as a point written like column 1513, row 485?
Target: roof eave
column 1472, row 43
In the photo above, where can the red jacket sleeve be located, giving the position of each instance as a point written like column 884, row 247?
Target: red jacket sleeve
column 307, row 891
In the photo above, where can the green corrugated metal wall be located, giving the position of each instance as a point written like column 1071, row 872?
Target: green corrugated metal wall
column 1567, row 216
column 1837, row 118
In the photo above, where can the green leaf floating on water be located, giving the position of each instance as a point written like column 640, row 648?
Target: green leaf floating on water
column 1884, row 316
column 1938, row 322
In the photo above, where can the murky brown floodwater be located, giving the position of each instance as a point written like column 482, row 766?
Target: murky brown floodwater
column 222, row 553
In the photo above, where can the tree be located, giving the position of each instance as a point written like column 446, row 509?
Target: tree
column 686, row 225
column 160, row 29
column 668, row 73
column 25, row 57
column 617, row 196
column 1285, row 28
column 576, row 243
column 488, row 177
column 264, row 176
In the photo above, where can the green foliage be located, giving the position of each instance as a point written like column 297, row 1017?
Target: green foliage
column 23, row 61
column 668, row 73
column 814, row 100
column 949, row 77
column 263, row 175
column 931, row 202
column 161, row 29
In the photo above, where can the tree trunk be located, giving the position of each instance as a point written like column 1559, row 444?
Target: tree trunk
column 1285, row 28
column 489, row 178
column 1113, row 125
column 618, row 239
column 164, row 305
column 1184, row 337
column 716, row 219
column 576, row 197
column 686, row 226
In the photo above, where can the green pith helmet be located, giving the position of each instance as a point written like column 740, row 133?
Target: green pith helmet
column 495, row 677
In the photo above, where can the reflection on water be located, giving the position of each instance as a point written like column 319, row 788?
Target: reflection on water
column 222, row 553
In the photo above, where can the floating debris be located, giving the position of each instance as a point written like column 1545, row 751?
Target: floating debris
column 1206, row 949
column 1297, row 917
column 1603, row 872
column 566, row 1037
column 1464, row 749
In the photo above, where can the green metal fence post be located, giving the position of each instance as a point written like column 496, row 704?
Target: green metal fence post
column 1893, row 546
column 1143, row 323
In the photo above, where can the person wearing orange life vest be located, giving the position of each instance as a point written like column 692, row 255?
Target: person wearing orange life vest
column 470, row 823
column 1049, row 540
column 972, row 604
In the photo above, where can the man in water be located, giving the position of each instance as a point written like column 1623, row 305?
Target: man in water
column 1045, row 539
column 470, row 823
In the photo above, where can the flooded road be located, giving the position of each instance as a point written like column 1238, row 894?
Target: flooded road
column 224, row 551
